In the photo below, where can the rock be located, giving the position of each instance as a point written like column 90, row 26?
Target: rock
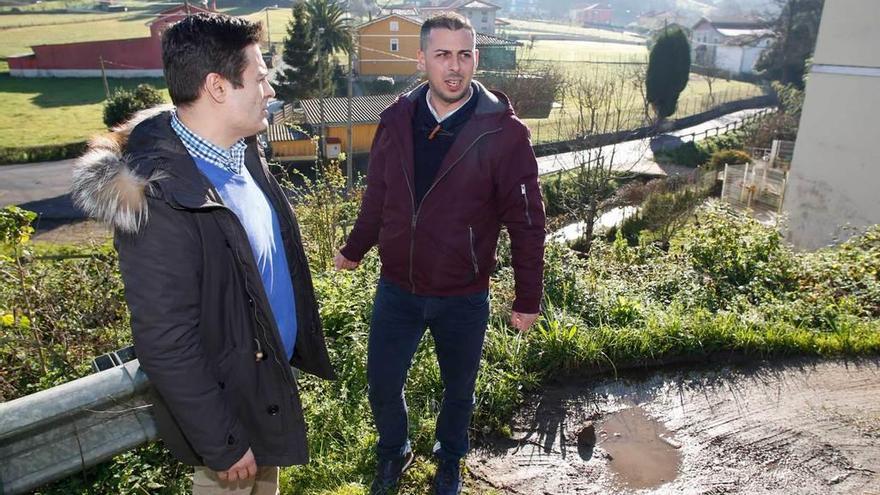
column 587, row 435
column 672, row 443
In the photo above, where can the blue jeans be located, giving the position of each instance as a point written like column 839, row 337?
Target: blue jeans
column 458, row 325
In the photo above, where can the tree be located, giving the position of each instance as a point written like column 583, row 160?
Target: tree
column 795, row 32
column 124, row 103
column 330, row 15
column 669, row 66
column 600, row 106
column 300, row 77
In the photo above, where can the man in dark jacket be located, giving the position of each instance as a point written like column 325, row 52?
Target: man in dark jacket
column 216, row 279
column 450, row 164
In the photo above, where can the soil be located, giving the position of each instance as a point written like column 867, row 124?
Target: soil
column 789, row 427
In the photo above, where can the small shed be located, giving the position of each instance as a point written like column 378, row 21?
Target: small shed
column 290, row 144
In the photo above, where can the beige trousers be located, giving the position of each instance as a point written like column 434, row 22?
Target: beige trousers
column 206, row 482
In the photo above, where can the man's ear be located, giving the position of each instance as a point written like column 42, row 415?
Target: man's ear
column 216, row 87
column 420, row 56
column 476, row 58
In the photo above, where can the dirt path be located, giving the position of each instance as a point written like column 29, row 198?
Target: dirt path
column 798, row 427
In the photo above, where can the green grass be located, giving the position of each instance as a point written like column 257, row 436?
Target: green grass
column 524, row 28
column 54, row 110
column 581, row 51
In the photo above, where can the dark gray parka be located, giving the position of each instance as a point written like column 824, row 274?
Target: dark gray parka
column 202, row 324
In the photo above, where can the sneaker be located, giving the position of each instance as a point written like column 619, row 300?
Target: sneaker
column 388, row 473
column 447, row 481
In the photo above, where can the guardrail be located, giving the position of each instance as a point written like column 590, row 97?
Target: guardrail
column 57, row 432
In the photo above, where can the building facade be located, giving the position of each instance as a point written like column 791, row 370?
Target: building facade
column 133, row 57
column 732, row 46
column 832, row 185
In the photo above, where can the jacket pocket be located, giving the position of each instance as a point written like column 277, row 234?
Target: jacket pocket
column 525, row 198
column 472, row 244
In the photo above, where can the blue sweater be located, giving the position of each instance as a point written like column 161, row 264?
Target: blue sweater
column 243, row 196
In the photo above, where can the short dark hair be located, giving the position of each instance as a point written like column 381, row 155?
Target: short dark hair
column 204, row 43
column 446, row 20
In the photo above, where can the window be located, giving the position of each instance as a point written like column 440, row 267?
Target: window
column 395, row 26
column 394, row 45
column 485, row 17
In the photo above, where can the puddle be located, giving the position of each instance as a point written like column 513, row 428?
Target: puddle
column 640, row 458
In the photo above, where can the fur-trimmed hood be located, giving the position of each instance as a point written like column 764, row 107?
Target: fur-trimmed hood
column 108, row 183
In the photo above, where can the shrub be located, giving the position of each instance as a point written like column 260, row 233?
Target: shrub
column 728, row 157
column 688, row 154
column 668, row 70
column 124, row 103
column 42, row 153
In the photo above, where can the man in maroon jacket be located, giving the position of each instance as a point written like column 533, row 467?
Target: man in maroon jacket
column 450, row 164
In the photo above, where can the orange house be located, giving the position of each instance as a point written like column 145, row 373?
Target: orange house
column 388, row 45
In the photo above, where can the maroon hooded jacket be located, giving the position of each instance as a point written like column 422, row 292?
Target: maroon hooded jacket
column 447, row 245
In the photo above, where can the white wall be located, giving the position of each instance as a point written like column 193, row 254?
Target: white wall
column 729, row 58
column 835, row 176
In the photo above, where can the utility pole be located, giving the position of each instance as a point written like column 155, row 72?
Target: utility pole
column 321, row 92
column 349, row 167
column 268, row 31
column 104, row 77
column 186, row 3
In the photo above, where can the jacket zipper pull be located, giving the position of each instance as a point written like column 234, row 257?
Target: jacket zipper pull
column 522, row 188
column 414, row 219
column 259, row 354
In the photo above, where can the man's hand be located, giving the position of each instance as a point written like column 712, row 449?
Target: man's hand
column 522, row 321
column 245, row 468
column 343, row 263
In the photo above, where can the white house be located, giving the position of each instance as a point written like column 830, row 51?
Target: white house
column 481, row 13
column 733, row 46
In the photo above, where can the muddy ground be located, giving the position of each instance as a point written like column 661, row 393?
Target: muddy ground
column 793, row 427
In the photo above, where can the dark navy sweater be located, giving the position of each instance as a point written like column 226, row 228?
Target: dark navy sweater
column 429, row 151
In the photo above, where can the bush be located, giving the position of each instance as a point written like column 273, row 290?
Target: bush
column 43, row 153
column 688, row 154
column 728, row 157
column 124, row 103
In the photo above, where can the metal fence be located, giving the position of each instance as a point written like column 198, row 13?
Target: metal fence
column 61, row 431
column 757, row 188
column 566, row 125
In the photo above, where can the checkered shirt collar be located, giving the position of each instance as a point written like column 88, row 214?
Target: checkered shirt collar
column 198, row 147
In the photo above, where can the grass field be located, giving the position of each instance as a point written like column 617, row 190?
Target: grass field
column 50, row 111
column 599, row 61
column 524, row 28
column 581, row 51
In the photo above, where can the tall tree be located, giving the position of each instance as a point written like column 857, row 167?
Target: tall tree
column 669, row 66
column 299, row 79
column 330, row 15
column 796, row 30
